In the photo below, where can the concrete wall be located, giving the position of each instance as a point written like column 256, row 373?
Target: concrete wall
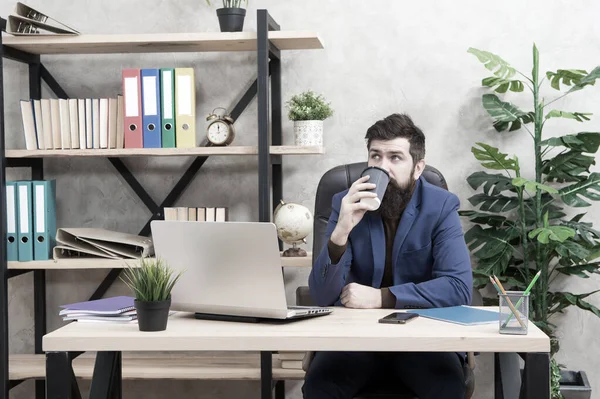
column 379, row 57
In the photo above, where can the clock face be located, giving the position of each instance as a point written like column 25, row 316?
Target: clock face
column 218, row 132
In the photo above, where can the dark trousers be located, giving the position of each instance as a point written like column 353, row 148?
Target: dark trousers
column 343, row 375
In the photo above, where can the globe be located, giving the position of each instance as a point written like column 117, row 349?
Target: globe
column 294, row 223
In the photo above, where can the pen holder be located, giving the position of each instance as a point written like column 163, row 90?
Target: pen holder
column 509, row 323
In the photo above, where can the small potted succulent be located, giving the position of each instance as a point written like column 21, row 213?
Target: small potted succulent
column 151, row 283
column 231, row 15
column 308, row 110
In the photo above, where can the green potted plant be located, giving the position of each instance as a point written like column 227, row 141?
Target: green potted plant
column 231, row 15
column 151, row 283
column 308, row 110
column 521, row 224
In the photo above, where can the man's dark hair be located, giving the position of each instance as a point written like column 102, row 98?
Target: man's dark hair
column 395, row 126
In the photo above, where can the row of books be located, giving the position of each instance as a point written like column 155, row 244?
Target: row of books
column 73, row 123
column 30, row 219
column 201, row 214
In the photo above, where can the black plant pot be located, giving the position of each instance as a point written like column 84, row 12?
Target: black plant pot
column 152, row 316
column 231, row 19
column 575, row 385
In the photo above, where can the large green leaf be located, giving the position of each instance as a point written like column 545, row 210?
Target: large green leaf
column 494, row 203
column 503, row 85
column 568, row 77
column 506, row 115
column 584, row 142
column 583, row 271
column 572, row 251
column 578, row 116
column 589, row 79
column 562, row 300
column 573, row 195
column 552, row 233
column 490, row 219
column 532, row 185
column 493, row 159
column 492, row 184
column 548, row 207
column 492, row 247
column 494, row 63
column 583, row 230
column 567, row 167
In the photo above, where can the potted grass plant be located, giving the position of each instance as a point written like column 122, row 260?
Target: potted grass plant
column 151, row 283
column 231, row 15
column 308, row 110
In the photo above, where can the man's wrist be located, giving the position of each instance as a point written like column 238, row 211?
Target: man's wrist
column 339, row 239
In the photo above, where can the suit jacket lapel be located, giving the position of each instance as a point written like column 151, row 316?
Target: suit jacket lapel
column 378, row 247
column 406, row 222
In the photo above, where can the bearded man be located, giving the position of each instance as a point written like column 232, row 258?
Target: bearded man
column 409, row 253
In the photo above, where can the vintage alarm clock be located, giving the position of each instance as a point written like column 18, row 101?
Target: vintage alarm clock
column 220, row 130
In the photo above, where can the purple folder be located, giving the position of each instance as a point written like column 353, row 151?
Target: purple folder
column 114, row 305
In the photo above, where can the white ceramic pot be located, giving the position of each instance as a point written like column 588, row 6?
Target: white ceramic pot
column 308, row 133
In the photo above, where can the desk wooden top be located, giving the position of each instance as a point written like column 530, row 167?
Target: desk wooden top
column 344, row 330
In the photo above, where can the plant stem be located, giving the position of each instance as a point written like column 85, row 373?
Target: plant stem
column 540, row 293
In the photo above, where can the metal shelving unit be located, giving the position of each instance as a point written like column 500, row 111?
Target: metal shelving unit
column 268, row 42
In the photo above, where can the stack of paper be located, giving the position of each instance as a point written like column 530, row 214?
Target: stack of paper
column 116, row 309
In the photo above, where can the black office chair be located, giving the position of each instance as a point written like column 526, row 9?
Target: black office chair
column 332, row 182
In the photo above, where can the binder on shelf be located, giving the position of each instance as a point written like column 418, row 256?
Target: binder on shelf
column 167, row 104
column 39, row 129
column 12, row 244
column 150, row 79
column 103, row 122
column 133, row 109
column 24, row 231
column 74, row 122
column 28, row 125
column 185, row 108
column 95, row 123
column 65, row 123
column 44, row 218
column 81, row 112
column 120, row 122
column 28, row 21
column 47, row 124
column 55, row 118
column 112, row 123
column 89, row 123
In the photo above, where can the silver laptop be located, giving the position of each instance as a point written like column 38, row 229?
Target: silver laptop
column 231, row 269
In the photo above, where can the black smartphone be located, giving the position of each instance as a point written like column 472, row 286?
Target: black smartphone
column 399, row 318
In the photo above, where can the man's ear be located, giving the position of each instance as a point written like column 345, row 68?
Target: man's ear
column 419, row 168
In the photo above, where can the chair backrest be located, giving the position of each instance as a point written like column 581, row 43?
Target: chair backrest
column 339, row 179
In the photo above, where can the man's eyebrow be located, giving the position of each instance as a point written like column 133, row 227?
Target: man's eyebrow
column 392, row 152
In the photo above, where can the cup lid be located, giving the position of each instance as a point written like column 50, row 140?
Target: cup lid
column 374, row 167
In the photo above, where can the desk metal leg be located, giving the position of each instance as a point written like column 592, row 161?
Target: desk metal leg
column 106, row 381
column 58, row 375
column 536, row 376
column 266, row 375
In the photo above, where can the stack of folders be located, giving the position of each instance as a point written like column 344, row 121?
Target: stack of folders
column 201, row 214
column 73, row 123
column 116, row 309
column 30, row 219
column 27, row 21
column 291, row 360
column 160, row 108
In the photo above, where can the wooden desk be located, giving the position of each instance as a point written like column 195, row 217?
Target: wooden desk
column 343, row 330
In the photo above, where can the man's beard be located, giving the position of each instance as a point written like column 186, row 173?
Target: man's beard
column 396, row 198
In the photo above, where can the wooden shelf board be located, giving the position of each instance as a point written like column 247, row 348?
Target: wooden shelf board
column 98, row 263
column 160, row 42
column 163, row 152
column 156, row 365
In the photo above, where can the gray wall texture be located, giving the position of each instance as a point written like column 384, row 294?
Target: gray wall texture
column 379, row 58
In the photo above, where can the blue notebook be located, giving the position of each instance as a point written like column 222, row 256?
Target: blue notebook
column 464, row 315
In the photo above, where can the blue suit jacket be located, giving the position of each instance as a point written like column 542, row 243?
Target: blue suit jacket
column 431, row 261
